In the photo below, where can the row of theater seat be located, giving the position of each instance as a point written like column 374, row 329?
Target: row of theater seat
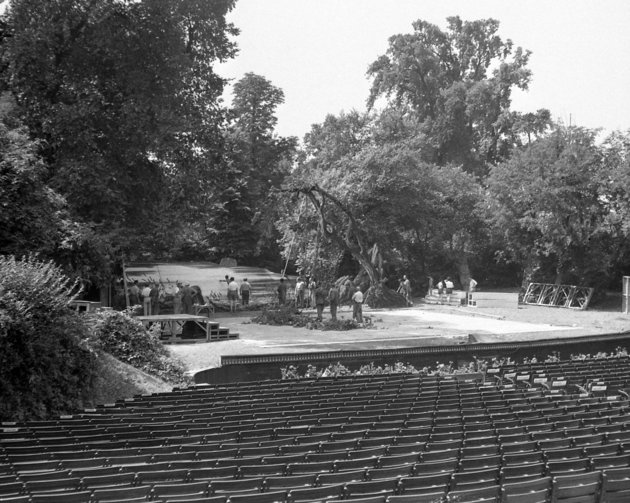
column 610, row 485
column 350, row 433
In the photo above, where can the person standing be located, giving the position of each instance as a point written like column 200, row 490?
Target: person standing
column 282, row 292
column 343, row 291
column 357, row 305
column 187, row 299
column 300, row 286
column 448, row 286
column 233, row 294
column 155, row 299
column 245, row 290
column 472, row 285
column 349, row 292
column 440, row 289
column 146, row 300
column 333, row 298
column 406, row 286
column 177, row 299
column 320, row 301
column 134, row 294
column 312, row 286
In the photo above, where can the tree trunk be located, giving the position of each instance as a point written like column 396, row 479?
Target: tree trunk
column 463, row 270
column 531, row 266
column 349, row 236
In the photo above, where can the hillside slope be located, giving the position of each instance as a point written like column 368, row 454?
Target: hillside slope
column 117, row 380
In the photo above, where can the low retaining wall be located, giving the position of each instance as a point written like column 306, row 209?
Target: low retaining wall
column 493, row 299
column 236, row 368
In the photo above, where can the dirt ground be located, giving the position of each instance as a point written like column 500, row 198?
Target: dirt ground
column 421, row 325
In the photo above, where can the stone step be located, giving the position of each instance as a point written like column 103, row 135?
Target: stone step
column 435, row 299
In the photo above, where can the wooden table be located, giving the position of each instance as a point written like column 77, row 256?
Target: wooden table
column 172, row 324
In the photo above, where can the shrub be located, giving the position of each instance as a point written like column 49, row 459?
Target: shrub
column 282, row 315
column 290, row 316
column 126, row 338
column 46, row 368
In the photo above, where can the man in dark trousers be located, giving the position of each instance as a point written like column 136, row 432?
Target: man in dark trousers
column 320, row 301
column 282, row 292
column 155, row 299
column 333, row 298
column 246, row 288
column 187, row 299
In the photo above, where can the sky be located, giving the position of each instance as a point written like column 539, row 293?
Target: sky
column 318, row 52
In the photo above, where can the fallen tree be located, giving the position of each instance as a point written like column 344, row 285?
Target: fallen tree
column 338, row 223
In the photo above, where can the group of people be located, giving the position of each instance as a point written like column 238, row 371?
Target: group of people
column 309, row 293
column 236, row 292
column 184, row 297
column 148, row 297
column 445, row 288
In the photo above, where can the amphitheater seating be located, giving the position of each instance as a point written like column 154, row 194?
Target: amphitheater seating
column 515, row 436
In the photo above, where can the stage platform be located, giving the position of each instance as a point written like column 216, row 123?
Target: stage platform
column 402, row 332
column 173, row 328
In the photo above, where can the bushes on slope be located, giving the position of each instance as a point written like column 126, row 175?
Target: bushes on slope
column 125, row 338
column 46, row 368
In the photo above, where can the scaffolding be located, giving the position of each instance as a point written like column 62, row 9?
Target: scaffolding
column 567, row 296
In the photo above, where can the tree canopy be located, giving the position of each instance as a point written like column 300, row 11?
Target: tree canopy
column 114, row 141
column 117, row 93
column 458, row 83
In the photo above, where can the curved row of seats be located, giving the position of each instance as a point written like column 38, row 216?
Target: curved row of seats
column 378, row 437
column 610, row 485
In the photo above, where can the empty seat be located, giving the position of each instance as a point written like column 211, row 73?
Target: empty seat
column 582, row 488
column 333, row 491
column 370, row 487
column 116, row 494
column 425, row 484
column 176, row 491
column 528, row 491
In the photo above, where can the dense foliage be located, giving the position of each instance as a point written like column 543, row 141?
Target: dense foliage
column 118, row 92
column 125, row 338
column 441, row 178
column 292, row 317
column 46, row 367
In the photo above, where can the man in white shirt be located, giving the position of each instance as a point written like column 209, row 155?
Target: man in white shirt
column 146, row 300
column 407, row 290
column 233, row 294
column 448, row 285
column 300, row 286
column 357, row 306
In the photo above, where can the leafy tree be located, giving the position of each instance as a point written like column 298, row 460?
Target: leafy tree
column 380, row 202
column 337, row 137
column 123, row 97
column 31, row 212
column 458, row 84
column 549, row 203
column 257, row 161
column 35, row 217
column 410, row 216
column 616, row 167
